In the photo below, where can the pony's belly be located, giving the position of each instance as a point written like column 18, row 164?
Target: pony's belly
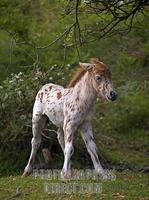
column 56, row 120
column 55, row 115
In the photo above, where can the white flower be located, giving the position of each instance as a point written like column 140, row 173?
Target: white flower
column 51, row 78
column 11, row 81
column 87, row 1
column 16, row 76
column 52, row 67
column 120, row 3
column 20, row 74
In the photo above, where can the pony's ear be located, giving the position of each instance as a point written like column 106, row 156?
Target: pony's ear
column 86, row 66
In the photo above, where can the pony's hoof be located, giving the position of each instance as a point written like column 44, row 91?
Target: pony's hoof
column 66, row 175
column 107, row 175
column 25, row 174
column 104, row 176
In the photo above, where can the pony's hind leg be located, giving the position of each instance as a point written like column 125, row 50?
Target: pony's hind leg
column 60, row 137
column 38, row 122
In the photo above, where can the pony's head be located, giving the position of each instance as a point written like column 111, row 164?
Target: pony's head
column 100, row 78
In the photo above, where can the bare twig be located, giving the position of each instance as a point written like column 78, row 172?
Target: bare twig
column 58, row 38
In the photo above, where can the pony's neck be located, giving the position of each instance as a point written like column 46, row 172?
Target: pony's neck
column 85, row 89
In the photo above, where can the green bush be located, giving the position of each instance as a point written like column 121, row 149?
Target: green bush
column 130, row 111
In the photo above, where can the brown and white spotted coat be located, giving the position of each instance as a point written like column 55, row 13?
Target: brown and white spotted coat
column 71, row 109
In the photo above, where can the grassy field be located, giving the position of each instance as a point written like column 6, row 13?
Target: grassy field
column 127, row 185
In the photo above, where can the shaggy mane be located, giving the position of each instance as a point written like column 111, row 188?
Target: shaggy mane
column 80, row 72
column 78, row 75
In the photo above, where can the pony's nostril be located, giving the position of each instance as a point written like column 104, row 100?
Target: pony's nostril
column 113, row 95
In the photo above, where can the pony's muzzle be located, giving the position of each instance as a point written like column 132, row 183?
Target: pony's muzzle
column 112, row 96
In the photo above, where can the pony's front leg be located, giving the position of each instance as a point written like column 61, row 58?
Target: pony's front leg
column 87, row 135
column 68, row 150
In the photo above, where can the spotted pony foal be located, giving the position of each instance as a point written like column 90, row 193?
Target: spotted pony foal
column 71, row 109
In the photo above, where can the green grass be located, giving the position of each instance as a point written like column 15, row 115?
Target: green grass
column 131, row 149
column 127, row 185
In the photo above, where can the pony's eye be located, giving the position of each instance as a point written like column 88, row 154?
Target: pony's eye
column 98, row 77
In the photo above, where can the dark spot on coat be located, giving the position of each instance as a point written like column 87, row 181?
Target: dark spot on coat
column 77, row 98
column 59, row 95
column 69, row 139
column 50, row 88
column 38, row 96
column 41, row 97
column 72, row 109
column 67, row 104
